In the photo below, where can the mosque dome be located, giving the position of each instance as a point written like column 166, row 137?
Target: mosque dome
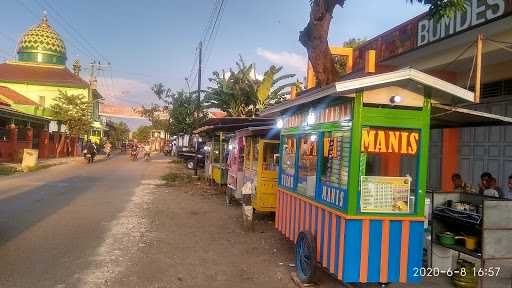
column 41, row 44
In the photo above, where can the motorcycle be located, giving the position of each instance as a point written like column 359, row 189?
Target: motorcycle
column 134, row 155
column 88, row 157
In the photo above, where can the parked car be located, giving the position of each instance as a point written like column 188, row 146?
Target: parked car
column 189, row 157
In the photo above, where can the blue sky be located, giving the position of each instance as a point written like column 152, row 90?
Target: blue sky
column 154, row 41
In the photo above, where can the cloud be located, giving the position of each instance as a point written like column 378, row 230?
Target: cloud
column 125, row 92
column 290, row 61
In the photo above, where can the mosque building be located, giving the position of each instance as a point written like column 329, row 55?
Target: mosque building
column 29, row 86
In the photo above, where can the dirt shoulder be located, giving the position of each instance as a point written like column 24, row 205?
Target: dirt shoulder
column 194, row 240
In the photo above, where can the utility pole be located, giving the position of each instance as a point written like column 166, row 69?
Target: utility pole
column 93, row 67
column 199, row 72
column 478, row 76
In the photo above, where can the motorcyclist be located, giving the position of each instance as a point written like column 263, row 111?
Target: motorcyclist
column 91, row 149
column 108, row 149
column 134, row 153
column 147, row 151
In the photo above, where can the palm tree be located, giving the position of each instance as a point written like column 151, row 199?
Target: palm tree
column 240, row 94
column 268, row 93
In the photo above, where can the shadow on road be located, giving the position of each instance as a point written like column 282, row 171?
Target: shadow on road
column 25, row 209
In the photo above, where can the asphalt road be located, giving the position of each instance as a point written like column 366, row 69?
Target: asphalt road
column 52, row 222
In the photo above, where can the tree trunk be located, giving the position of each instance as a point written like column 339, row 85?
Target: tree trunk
column 314, row 39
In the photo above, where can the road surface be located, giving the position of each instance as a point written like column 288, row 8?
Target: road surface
column 54, row 222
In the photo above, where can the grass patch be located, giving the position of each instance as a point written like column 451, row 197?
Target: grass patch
column 39, row 167
column 7, row 170
column 174, row 178
column 176, row 161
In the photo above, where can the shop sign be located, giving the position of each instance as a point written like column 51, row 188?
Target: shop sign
column 390, row 141
column 477, row 12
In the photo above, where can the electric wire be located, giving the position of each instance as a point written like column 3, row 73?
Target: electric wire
column 78, row 33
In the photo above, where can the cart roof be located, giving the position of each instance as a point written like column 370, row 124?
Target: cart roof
column 444, row 92
column 269, row 132
column 447, row 98
column 231, row 124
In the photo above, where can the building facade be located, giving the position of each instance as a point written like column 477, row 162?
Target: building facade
column 29, row 86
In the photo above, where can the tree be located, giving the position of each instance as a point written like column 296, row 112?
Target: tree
column 185, row 113
column 117, row 131
column 74, row 111
column 143, row 133
column 314, row 36
column 233, row 92
column 240, row 94
column 267, row 94
column 179, row 112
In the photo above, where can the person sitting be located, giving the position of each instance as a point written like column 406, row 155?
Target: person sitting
column 492, row 190
column 458, row 184
column 508, row 193
column 484, row 182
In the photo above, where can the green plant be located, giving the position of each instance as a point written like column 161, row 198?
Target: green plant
column 74, row 111
column 7, row 170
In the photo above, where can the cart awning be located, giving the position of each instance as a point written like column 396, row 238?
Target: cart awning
column 444, row 116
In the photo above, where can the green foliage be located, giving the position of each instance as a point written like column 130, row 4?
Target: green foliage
column 74, row 111
column 185, row 113
column 267, row 94
column 117, row 131
column 240, row 94
column 143, row 133
column 179, row 112
column 7, row 170
column 354, row 42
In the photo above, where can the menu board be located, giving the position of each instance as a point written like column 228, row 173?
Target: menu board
column 385, row 194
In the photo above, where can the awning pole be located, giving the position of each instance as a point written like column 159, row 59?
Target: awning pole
column 478, row 78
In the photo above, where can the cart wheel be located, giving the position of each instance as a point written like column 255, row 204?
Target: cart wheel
column 190, row 164
column 305, row 250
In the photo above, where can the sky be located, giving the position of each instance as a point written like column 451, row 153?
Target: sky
column 147, row 42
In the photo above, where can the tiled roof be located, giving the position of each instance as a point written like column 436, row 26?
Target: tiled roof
column 16, row 97
column 41, row 75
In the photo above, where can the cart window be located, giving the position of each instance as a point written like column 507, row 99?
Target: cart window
column 334, row 167
column 389, row 160
column 254, row 162
column 288, row 162
column 216, row 152
column 307, row 164
column 247, row 152
column 270, row 156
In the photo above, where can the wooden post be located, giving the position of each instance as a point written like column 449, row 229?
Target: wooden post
column 478, row 76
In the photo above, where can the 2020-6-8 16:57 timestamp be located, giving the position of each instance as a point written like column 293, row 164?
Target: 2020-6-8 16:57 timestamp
column 477, row 272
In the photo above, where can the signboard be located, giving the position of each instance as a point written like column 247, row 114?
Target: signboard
column 385, row 194
column 390, row 141
column 477, row 12
column 423, row 30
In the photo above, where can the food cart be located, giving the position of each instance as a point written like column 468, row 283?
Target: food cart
column 254, row 161
column 216, row 132
column 353, row 173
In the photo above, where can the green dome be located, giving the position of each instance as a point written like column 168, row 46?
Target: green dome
column 41, row 44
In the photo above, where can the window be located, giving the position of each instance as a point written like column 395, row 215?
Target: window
column 335, row 158
column 270, row 156
column 389, row 160
column 254, row 159
column 288, row 162
column 307, row 164
column 42, row 101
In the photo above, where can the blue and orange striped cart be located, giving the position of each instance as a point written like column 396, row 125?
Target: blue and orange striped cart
column 353, row 174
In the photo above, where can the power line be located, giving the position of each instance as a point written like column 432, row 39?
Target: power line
column 79, row 46
column 80, row 35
